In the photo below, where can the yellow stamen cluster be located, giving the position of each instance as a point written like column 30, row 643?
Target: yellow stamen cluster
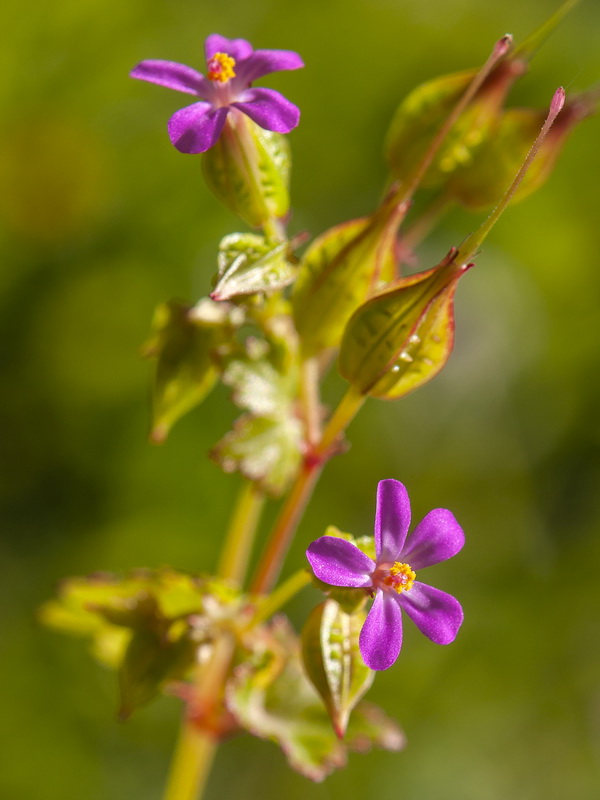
column 400, row 577
column 220, row 67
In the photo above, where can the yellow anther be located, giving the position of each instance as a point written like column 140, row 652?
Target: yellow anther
column 400, row 577
column 220, row 67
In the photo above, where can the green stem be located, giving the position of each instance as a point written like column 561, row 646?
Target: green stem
column 310, row 401
column 274, row 230
column 474, row 241
column 196, row 747
column 348, row 408
column 297, row 500
column 191, row 765
column 240, row 536
column 283, row 531
column 283, row 594
column 421, row 227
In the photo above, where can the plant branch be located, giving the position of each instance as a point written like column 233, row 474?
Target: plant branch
column 293, row 508
column 240, row 536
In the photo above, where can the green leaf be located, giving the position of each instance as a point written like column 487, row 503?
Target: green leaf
column 266, row 445
column 271, row 697
column 258, row 386
column 183, row 341
column 151, row 660
column 338, row 272
column 248, row 170
column 333, row 661
column 147, row 625
column 264, row 449
column 402, row 338
column 249, row 264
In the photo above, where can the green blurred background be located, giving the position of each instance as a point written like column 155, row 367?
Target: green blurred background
column 102, row 219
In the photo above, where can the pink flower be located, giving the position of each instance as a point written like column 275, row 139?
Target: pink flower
column 392, row 577
column 232, row 66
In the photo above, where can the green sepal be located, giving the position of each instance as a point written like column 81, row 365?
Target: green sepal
column 183, row 342
column 333, row 662
column 482, row 184
column 419, row 117
column 402, row 338
column 250, row 264
column 270, row 696
column 248, row 170
column 339, row 271
column 422, row 113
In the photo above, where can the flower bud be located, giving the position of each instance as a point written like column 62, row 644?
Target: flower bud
column 401, row 338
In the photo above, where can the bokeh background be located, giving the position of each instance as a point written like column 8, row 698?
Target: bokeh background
column 102, row 219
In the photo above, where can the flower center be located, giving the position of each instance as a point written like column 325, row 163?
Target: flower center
column 220, row 67
column 400, row 577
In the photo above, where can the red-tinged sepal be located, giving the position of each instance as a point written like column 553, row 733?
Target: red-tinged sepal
column 482, row 183
column 341, row 268
column 401, row 338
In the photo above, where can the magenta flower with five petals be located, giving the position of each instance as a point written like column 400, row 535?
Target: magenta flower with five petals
column 392, row 577
column 232, row 66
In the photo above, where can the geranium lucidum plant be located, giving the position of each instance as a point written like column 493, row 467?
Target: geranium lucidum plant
column 269, row 329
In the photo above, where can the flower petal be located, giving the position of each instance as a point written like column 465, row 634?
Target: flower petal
column 269, row 109
column 263, row 62
column 392, row 519
column 436, row 538
column 381, row 636
column 237, row 48
column 196, row 128
column 339, row 562
column 436, row 614
column 172, row 75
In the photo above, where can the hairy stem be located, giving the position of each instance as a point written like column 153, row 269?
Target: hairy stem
column 473, row 242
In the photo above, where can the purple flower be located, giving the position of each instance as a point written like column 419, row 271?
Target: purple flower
column 391, row 578
column 232, row 66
